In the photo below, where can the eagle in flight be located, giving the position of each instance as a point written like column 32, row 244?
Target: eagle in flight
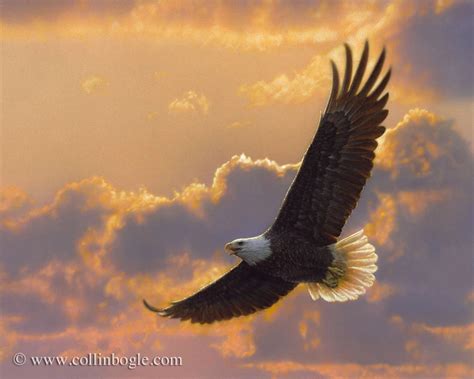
column 302, row 245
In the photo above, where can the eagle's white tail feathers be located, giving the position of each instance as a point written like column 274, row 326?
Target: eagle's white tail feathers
column 351, row 272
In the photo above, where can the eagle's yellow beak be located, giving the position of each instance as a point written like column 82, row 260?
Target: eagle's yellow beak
column 230, row 248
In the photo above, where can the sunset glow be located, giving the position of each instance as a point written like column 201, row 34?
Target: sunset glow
column 138, row 137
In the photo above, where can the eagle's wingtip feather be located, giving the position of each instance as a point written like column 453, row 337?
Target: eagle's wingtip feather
column 161, row 312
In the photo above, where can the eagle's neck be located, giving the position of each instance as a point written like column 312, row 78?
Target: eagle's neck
column 255, row 249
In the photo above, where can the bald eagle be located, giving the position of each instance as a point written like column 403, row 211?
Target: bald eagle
column 302, row 245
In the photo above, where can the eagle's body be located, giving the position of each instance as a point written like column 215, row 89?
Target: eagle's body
column 302, row 245
column 293, row 258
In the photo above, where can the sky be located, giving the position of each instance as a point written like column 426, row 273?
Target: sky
column 138, row 137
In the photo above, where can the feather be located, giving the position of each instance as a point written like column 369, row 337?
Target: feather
column 360, row 70
column 241, row 291
column 348, row 72
column 335, row 85
column 322, row 196
column 340, row 158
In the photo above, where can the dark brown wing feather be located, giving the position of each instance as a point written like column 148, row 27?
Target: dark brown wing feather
column 340, row 158
column 241, row 291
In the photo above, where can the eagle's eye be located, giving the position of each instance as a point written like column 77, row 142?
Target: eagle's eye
column 240, row 243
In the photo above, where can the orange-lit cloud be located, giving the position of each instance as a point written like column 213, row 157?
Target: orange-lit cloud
column 199, row 21
column 417, row 155
column 107, row 248
column 13, row 201
column 380, row 291
column 308, row 329
column 75, row 267
column 354, row 26
column 417, row 202
column 382, row 223
column 267, row 24
column 239, row 124
column 93, row 84
column 99, row 304
column 190, row 102
column 348, row 370
column 289, row 90
column 461, row 335
column 443, row 5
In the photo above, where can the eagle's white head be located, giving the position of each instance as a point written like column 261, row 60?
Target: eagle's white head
column 251, row 250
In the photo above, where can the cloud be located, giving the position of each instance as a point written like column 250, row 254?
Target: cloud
column 283, row 89
column 152, row 115
column 74, row 271
column 415, row 61
column 308, row 325
column 190, row 102
column 461, row 335
column 443, row 5
column 99, row 305
column 285, row 368
column 239, row 124
column 428, row 63
column 93, row 84
column 380, row 291
column 13, row 202
column 20, row 11
column 197, row 220
column 260, row 25
column 24, row 11
column 411, row 185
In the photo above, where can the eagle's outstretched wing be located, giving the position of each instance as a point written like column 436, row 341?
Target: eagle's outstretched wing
column 340, row 158
column 241, row 291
